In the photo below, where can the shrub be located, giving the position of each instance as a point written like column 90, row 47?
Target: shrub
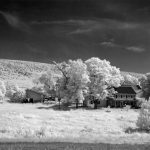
column 139, row 102
column 11, row 88
column 18, row 96
column 143, row 121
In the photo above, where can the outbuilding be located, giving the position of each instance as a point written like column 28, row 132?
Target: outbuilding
column 36, row 96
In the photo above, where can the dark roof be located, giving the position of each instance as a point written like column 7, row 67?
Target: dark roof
column 32, row 90
column 125, row 90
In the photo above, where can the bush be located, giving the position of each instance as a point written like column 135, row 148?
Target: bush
column 143, row 121
column 139, row 102
column 18, row 96
column 11, row 88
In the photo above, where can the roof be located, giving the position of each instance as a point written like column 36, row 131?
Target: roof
column 31, row 90
column 125, row 90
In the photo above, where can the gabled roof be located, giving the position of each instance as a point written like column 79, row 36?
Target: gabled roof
column 125, row 90
column 32, row 90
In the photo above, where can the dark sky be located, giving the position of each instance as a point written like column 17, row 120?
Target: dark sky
column 40, row 30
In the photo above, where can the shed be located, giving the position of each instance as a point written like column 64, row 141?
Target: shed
column 37, row 96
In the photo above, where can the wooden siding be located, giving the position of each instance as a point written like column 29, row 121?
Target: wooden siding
column 35, row 95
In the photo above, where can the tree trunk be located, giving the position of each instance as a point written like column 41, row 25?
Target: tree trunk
column 77, row 103
column 59, row 102
column 95, row 104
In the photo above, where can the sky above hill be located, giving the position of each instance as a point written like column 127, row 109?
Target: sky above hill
column 40, row 30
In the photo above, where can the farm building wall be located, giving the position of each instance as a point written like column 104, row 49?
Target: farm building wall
column 37, row 97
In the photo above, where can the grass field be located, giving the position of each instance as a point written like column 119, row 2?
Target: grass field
column 40, row 122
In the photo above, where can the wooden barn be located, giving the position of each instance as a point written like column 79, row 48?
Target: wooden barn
column 36, row 96
column 126, row 95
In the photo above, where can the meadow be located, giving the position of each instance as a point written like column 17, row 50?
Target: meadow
column 43, row 122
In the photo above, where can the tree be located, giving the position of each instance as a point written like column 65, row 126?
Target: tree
column 46, row 83
column 130, row 80
column 11, row 88
column 2, row 90
column 78, row 79
column 145, row 84
column 74, row 80
column 103, row 78
column 2, row 87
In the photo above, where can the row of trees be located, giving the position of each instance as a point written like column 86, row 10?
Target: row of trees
column 73, row 80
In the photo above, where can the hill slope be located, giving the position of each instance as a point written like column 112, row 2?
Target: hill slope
column 22, row 72
column 16, row 69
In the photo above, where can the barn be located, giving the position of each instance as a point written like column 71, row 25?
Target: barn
column 36, row 96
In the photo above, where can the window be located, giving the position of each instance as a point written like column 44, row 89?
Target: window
column 91, row 102
column 116, row 96
column 121, row 96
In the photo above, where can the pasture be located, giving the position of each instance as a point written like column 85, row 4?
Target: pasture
column 44, row 123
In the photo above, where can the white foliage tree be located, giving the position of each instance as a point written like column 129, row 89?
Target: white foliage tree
column 130, row 80
column 103, row 77
column 73, row 81
column 11, row 88
column 46, row 83
column 145, row 84
column 2, row 90
column 78, row 79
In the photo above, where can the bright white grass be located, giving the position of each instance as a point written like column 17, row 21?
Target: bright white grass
column 27, row 121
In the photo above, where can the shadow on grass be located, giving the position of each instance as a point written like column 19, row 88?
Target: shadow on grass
column 64, row 108
column 70, row 146
column 55, row 107
column 135, row 130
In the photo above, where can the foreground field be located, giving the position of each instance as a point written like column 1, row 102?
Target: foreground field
column 40, row 122
column 70, row 146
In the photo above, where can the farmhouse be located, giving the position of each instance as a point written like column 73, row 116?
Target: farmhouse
column 36, row 96
column 125, row 95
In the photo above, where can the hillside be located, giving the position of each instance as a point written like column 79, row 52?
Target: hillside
column 137, row 75
column 16, row 69
column 22, row 72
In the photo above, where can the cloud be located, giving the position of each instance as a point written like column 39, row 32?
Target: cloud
column 135, row 49
column 15, row 22
column 90, row 25
column 109, row 44
column 129, row 48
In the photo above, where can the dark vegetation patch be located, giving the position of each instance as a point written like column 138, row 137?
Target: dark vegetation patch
column 71, row 146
